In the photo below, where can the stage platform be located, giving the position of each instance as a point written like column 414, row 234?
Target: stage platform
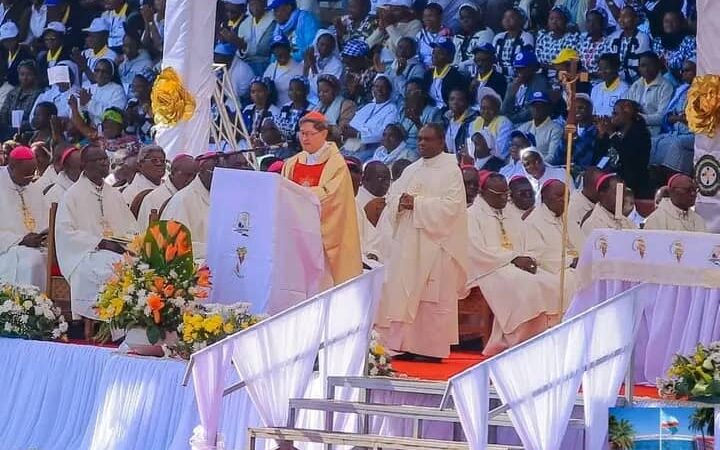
column 462, row 359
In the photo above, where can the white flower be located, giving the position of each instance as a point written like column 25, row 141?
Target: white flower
column 49, row 314
column 56, row 333
column 382, row 360
column 63, row 327
column 7, row 327
column 374, row 372
column 27, row 304
column 24, row 319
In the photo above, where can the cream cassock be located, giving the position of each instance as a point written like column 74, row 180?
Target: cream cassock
column 191, row 207
column 370, row 241
column 520, row 301
column 579, row 207
column 20, row 264
column 87, row 214
column 544, row 238
column 58, row 189
column 426, row 268
column 602, row 218
column 47, row 178
column 667, row 216
column 155, row 200
column 139, row 184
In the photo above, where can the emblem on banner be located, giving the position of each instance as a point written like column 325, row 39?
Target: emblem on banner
column 707, row 175
column 677, row 249
column 715, row 256
column 241, row 254
column 242, row 224
column 602, row 244
column 640, row 246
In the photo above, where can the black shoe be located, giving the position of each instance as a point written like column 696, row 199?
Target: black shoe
column 416, row 358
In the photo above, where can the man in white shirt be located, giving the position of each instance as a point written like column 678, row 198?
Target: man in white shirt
column 370, row 201
column 603, row 213
column 676, row 213
column 426, row 270
column 151, row 170
column 90, row 214
column 612, row 88
column 183, row 170
column 522, row 197
column 583, row 201
column 548, row 134
column 115, row 16
column 97, row 43
column 23, row 229
column 70, row 170
column 191, row 205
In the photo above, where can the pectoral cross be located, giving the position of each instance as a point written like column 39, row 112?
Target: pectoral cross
column 107, row 231
column 28, row 219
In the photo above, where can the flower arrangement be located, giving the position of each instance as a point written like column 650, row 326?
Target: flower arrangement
column 696, row 376
column 379, row 364
column 209, row 324
column 155, row 286
column 26, row 312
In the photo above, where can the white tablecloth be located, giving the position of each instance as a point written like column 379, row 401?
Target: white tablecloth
column 683, row 271
column 68, row 397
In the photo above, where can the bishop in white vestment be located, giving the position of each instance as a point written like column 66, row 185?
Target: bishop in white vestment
column 71, row 168
column 24, row 224
column 90, row 213
column 151, row 170
column 426, row 270
column 523, row 298
column 544, row 237
column 191, row 205
column 583, row 201
column 676, row 213
column 182, row 171
column 603, row 213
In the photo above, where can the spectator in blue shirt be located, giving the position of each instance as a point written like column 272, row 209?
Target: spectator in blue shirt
column 298, row 26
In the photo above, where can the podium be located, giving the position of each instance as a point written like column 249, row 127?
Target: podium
column 264, row 243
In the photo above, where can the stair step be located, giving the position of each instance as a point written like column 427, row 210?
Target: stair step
column 361, row 440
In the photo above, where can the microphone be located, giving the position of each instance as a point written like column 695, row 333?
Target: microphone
column 256, row 149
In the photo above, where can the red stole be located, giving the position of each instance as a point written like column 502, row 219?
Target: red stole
column 307, row 175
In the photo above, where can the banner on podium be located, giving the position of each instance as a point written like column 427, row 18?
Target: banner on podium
column 264, row 243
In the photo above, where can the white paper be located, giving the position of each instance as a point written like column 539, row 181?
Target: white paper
column 17, row 117
column 58, row 74
column 619, row 197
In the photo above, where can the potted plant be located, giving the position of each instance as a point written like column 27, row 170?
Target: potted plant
column 621, row 434
column 703, row 421
column 152, row 288
column 695, row 376
column 27, row 313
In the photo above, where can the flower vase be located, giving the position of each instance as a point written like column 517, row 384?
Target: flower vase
column 137, row 341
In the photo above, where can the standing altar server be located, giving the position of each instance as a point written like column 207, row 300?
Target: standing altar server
column 427, row 265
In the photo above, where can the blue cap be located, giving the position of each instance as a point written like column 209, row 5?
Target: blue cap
column 223, row 48
column 279, row 39
column 527, row 136
column 539, row 97
column 485, row 48
column 355, row 48
column 275, row 4
column 445, row 44
column 526, row 58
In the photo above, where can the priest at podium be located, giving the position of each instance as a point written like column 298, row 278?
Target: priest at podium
column 321, row 168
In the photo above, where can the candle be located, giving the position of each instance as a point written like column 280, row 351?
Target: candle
column 619, row 195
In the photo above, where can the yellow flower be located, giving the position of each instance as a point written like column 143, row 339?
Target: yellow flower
column 229, row 328
column 212, row 324
column 117, row 304
column 378, row 350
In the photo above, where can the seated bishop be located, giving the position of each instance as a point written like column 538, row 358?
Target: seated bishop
column 676, row 213
column 191, row 205
column 150, row 172
column 603, row 213
column 23, row 228
column 370, row 201
column 182, row 171
column 544, row 237
column 70, row 170
column 523, row 298
column 89, row 216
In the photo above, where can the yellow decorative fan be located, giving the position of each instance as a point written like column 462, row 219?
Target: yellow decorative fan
column 171, row 101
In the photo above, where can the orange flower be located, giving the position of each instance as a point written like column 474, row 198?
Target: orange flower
column 170, row 252
column 169, row 290
column 201, row 294
column 173, row 228
column 158, row 284
column 159, row 239
column 203, row 278
column 156, row 316
column 155, row 302
column 182, row 244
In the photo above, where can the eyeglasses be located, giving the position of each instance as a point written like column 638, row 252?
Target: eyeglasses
column 155, row 160
column 308, row 133
column 505, row 193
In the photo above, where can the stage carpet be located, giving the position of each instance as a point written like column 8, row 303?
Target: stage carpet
column 461, row 360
